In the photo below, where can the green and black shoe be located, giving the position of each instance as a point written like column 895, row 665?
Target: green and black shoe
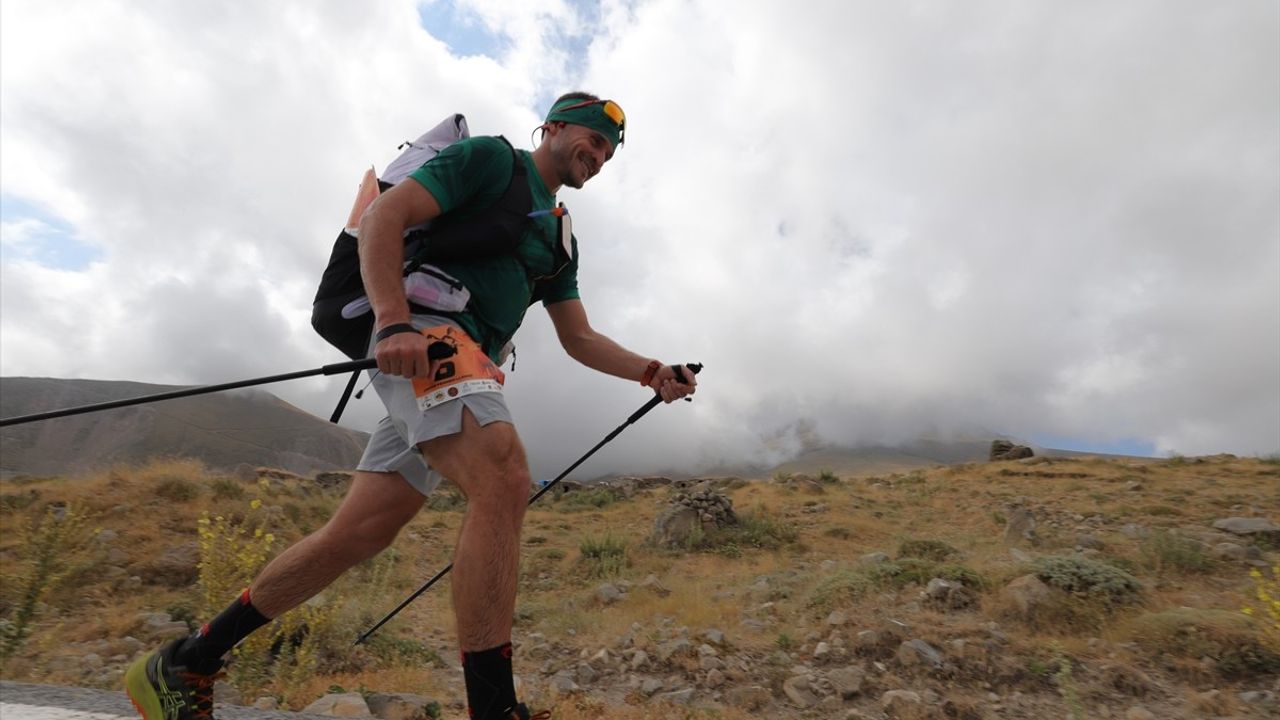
column 160, row 689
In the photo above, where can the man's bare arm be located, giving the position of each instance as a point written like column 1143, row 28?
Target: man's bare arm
column 381, row 244
column 602, row 353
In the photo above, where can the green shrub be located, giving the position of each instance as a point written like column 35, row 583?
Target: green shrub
column 914, row 571
column 18, row 501
column 1165, row 551
column 842, row 588
column 828, row 477
column 1088, row 578
column 54, row 550
column 602, row 557
column 226, row 489
column 177, row 489
column 593, row 499
column 934, row 550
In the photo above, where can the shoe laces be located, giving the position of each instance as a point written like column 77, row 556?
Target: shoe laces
column 201, row 692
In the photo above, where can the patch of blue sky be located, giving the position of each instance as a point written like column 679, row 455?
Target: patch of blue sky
column 462, row 31
column 1123, row 446
column 30, row 233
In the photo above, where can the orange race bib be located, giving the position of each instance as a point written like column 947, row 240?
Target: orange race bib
column 465, row 371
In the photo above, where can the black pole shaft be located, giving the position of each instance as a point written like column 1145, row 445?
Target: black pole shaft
column 651, row 404
column 333, row 369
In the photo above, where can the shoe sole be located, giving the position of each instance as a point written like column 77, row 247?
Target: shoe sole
column 141, row 694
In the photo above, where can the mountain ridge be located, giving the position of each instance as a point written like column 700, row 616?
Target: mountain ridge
column 224, row 430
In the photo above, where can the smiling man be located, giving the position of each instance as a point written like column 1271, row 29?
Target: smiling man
column 446, row 416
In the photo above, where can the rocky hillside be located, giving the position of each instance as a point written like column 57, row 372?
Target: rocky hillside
column 225, row 430
column 1033, row 588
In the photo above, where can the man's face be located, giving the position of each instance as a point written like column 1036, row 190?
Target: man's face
column 580, row 152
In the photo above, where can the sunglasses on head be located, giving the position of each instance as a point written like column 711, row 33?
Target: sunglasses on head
column 611, row 109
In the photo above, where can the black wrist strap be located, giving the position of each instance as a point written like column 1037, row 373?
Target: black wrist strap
column 394, row 329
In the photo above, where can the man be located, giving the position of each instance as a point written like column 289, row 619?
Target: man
column 437, row 427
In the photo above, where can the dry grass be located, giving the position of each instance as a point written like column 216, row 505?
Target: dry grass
column 947, row 519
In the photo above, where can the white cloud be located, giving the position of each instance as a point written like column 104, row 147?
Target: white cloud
column 884, row 219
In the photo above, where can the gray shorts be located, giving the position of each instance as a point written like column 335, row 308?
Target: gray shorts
column 393, row 447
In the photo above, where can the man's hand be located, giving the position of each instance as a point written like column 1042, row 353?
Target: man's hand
column 667, row 384
column 404, row 354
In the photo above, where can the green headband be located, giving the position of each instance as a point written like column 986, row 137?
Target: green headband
column 591, row 116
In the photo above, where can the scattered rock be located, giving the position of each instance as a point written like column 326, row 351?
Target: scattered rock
column 608, row 594
column 562, row 684
column 847, row 681
column 652, row 584
column 226, row 693
column 1229, row 551
column 875, row 558
column 750, row 697
column 1258, row 697
column 1134, row 531
column 339, row 705
column 265, row 702
column 1027, row 593
column 947, row 595
column 398, row 706
column 176, row 567
column 1088, row 541
column 797, row 690
column 676, row 697
column 900, row 703
column 919, row 652
column 651, row 686
column 1251, row 527
column 1021, row 527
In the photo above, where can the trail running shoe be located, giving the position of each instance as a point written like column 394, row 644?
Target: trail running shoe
column 163, row 690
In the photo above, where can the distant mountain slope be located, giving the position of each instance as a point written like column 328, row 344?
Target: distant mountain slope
column 223, row 429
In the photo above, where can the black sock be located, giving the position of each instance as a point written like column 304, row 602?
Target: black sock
column 222, row 633
column 491, row 688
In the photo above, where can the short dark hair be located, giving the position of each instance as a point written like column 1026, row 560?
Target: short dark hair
column 575, row 95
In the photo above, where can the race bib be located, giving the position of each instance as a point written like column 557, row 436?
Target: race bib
column 465, row 371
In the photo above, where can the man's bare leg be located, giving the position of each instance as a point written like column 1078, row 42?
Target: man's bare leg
column 376, row 507
column 488, row 465
column 374, row 510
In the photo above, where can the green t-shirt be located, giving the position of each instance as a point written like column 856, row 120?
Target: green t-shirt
column 467, row 178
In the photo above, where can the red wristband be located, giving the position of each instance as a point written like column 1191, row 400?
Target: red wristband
column 652, row 369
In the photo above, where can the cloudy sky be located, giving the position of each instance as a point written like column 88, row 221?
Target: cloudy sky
column 871, row 221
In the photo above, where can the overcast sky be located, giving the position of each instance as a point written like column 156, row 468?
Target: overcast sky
column 872, row 221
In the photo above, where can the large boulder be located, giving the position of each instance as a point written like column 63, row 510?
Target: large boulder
column 1254, row 528
column 676, row 527
column 1005, row 450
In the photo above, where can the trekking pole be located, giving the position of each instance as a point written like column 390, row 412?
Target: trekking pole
column 333, row 369
column 651, row 404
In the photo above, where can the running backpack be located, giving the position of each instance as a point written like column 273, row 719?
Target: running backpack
column 340, row 311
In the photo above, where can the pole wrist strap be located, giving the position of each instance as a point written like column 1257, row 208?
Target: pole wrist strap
column 394, row 329
column 649, row 371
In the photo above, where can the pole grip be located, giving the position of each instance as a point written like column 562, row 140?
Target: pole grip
column 349, row 366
